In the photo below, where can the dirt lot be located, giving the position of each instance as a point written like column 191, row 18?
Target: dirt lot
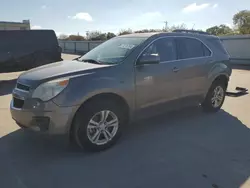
column 188, row 149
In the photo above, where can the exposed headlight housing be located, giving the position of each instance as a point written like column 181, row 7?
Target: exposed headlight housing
column 49, row 90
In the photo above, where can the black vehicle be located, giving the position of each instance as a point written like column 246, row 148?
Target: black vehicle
column 23, row 50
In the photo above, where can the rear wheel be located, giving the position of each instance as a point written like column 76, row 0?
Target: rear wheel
column 215, row 97
column 98, row 125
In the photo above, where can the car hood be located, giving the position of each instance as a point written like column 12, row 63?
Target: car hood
column 57, row 70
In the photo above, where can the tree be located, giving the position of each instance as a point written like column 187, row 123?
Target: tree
column 63, row 37
column 181, row 26
column 110, row 35
column 220, row 30
column 102, row 36
column 75, row 38
column 148, row 31
column 173, row 27
column 242, row 21
column 125, row 32
column 213, row 30
column 96, row 35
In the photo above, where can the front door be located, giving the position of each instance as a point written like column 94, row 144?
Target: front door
column 157, row 83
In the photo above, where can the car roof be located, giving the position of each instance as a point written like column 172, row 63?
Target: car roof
column 13, row 37
column 162, row 34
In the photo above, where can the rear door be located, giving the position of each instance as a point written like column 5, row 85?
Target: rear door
column 193, row 56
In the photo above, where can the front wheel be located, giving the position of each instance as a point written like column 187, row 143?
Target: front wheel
column 215, row 97
column 98, row 125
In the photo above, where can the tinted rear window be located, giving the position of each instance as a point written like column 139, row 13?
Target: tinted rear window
column 191, row 48
column 218, row 45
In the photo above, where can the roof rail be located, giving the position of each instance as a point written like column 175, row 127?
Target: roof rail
column 191, row 31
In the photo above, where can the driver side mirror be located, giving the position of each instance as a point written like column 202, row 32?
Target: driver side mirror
column 146, row 59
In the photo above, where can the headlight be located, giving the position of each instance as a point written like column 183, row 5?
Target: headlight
column 48, row 90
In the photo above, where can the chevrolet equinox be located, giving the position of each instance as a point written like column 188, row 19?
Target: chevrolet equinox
column 91, row 98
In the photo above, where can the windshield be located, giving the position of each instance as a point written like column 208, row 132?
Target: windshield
column 113, row 51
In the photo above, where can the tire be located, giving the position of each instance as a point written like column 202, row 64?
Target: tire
column 81, row 132
column 208, row 104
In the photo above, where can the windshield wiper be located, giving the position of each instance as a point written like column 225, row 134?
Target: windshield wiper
column 91, row 61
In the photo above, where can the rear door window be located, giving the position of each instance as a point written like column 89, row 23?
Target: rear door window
column 207, row 52
column 191, row 48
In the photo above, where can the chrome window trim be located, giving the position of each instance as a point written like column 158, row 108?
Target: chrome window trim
column 211, row 52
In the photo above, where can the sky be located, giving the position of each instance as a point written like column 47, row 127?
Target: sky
column 79, row 16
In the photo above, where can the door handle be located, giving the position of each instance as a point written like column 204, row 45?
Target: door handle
column 175, row 69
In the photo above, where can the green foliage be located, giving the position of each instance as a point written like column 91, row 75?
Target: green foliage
column 63, row 37
column 220, row 30
column 96, row 35
column 148, row 31
column 110, row 35
column 242, row 21
column 125, row 32
column 174, row 27
column 101, row 36
column 75, row 38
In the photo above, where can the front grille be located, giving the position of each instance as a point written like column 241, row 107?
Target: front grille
column 22, row 87
column 18, row 103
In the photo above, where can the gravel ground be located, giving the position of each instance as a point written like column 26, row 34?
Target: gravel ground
column 184, row 149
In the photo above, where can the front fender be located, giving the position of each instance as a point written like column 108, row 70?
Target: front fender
column 83, row 88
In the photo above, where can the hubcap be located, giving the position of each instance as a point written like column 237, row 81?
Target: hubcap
column 218, row 96
column 102, row 127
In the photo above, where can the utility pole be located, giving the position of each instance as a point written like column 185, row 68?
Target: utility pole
column 193, row 27
column 87, row 35
column 166, row 25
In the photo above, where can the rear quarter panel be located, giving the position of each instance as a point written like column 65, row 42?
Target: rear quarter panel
column 216, row 69
column 219, row 64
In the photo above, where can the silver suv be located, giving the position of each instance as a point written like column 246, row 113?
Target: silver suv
column 92, row 98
